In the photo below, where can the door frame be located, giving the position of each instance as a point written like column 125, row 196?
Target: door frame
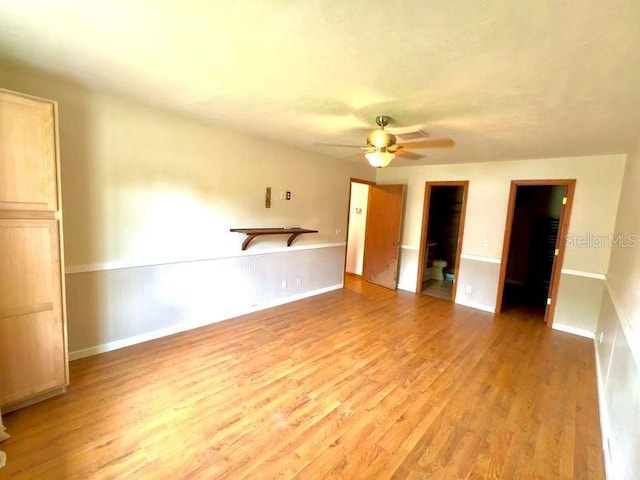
column 346, row 249
column 425, row 224
column 561, row 241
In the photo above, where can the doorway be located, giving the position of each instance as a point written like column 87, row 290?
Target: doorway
column 441, row 239
column 374, row 221
column 537, row 222
column 357, row 225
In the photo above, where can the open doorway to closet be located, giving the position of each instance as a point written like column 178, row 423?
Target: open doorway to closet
column 441, row 239
column 536, row 227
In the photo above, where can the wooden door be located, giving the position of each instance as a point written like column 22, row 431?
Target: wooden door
column 556, row 269
column 27, row 154
column 32, row 346
column 382, row 236
column 33, row 342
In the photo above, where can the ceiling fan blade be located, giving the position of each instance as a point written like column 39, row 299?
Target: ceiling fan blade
column 338, row 145
column 408, row 155
column 435, row 143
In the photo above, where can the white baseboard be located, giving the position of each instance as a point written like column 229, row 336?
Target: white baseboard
column 575, row 331
column 126, row 342
column 182, row 327
column 477, row 306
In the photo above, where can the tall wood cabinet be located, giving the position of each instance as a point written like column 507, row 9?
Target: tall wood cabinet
column 33, row 339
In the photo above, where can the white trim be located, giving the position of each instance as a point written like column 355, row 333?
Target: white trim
column 477, row 306
column 605, row 429
column 573, row 330
column 478, row 258
column 126, row 342
column 3, row 434
column 181, row 327
column 580, row 273
column 410, row 247
column 625, row 323
column 120, row 264
column 407, row 287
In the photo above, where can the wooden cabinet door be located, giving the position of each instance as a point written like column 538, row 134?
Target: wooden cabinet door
column 27, row 154
column 32, row 337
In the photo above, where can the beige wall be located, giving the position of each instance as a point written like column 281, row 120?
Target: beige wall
column 618, row 335
column 357, row 226
column 150, row 185
column 145, row 187
column 597, row 191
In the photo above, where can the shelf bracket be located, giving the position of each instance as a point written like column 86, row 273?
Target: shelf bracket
column 247, row 241
column 292, row 238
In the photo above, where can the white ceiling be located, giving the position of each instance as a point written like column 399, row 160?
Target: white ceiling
column 505, row 79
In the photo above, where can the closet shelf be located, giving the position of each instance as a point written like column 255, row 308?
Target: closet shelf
column 252, row 233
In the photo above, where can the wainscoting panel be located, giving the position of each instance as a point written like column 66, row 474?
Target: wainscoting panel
column 408, row 272
column 578, row 304
column 109, row 309
column 619, row 391
column 605, row 336
column 482, row 278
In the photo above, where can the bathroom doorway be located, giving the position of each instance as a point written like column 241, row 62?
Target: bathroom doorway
column 537, row 222
column 443, row 216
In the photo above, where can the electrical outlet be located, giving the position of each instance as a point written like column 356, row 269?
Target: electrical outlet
column 486, row 242
column 298, row 282
column 282, row 195
column 284, row 284
column 468, row 289
column 338, row 231
column 288, row 195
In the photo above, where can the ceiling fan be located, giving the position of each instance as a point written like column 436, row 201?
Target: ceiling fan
column 381, row 146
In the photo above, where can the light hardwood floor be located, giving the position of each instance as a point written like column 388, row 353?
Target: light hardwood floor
column 358, row 383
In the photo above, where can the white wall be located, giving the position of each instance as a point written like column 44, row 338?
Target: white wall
column 596, row 196
column 145, row 187
column 618, row 335
column 357, row 227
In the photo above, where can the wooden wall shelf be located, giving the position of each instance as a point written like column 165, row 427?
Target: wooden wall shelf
column 256, row 232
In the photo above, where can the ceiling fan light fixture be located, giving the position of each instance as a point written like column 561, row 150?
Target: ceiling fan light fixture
column 379, row 159
column 380, row 139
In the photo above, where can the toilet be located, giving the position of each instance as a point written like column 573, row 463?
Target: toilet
column 437, row 268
